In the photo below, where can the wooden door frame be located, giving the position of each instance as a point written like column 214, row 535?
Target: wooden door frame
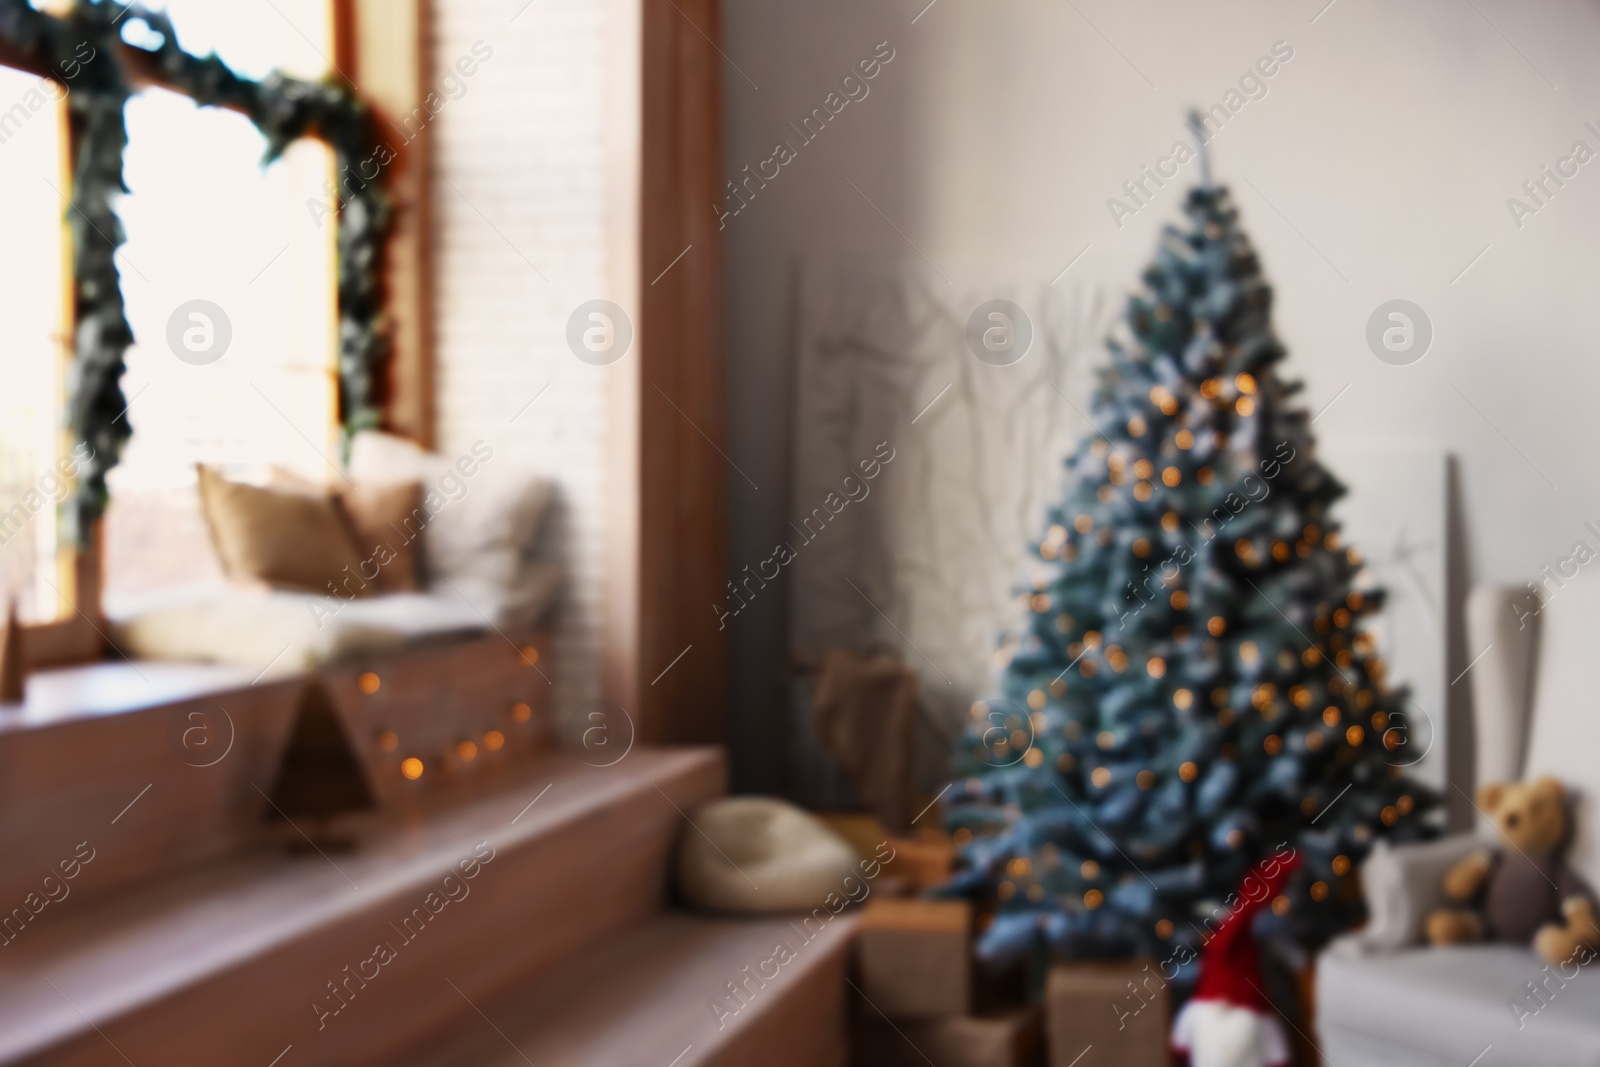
column 665, row 653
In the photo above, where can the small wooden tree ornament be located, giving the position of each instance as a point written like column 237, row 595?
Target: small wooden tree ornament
column 320, row 778
column 13, row 657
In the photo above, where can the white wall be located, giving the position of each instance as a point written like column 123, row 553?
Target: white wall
column 521, row 231
column 1377, row 166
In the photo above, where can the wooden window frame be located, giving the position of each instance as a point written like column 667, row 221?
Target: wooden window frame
column 380, row 45
column 666, row 467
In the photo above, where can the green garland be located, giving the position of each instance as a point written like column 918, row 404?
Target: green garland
column 84, row 50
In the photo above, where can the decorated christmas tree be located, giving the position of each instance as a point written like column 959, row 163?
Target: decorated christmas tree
column 1193, row 689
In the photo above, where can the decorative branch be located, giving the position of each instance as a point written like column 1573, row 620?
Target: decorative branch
column 85, row 48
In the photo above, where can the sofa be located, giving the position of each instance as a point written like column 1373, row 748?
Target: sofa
column 1383, row 997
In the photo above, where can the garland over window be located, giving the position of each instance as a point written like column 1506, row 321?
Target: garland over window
column 85, row 46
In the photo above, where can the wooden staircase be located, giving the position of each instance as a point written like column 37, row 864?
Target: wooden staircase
column 523, row 920
column 656, row 995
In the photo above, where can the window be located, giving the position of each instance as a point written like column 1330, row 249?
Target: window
column 228, row 275
column 35, row 564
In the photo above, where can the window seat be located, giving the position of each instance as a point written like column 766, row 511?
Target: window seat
column 276, row 632
column 66, row 695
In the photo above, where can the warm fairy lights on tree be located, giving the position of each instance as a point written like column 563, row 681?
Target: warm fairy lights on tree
column 1193, row 689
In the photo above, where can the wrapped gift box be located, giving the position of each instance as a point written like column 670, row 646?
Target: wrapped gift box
column 1109, row 1014
column 914, row 957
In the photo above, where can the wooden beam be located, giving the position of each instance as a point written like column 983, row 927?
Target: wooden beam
column 682, row 473
column 620, row 667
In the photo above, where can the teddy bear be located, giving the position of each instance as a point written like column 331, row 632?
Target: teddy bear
column 1525, row 891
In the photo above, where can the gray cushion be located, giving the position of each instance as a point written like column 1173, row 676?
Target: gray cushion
column 1447, row 1005
column 1402, row 886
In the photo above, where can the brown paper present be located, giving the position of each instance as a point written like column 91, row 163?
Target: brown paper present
column 914, row 957
column 925, row 860
column 920, row 862
column 1109, row 1014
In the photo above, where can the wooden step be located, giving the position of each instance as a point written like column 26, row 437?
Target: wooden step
column 236, row 964
column 148, row 766
column 659, row 996
column 153, row 767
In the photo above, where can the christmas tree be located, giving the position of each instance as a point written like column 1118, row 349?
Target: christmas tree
column 1193, row 689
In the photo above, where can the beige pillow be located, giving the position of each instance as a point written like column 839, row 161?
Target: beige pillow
column 386, row 522
column 286, row 540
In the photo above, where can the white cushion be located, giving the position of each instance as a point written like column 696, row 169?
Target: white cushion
column 485, row 508
column 1564, row 737
column 280, row 632
column 534, row 590
column 1445, row 1005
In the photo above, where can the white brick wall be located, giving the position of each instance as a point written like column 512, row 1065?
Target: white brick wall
column 520, row 192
